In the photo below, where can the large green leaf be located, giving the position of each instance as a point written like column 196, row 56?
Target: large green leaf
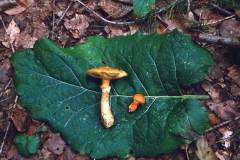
column 142, row 7
column 53, row 85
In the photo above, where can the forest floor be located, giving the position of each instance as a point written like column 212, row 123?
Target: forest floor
column 67, row 23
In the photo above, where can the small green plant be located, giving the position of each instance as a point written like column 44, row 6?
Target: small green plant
column 143, row 7
column 27, row 145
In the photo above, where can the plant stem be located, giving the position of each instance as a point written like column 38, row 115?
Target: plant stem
column 200, row 97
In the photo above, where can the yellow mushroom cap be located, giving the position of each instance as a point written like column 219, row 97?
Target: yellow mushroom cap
column 139, row 98
column 106, row 72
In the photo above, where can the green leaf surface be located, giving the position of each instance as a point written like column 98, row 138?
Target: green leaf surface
column 27, row 145
column 142, row 7
column 52, row 84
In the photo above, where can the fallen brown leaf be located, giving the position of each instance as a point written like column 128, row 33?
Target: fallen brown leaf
column 113, row 31
column 235, row 90
column 213, row 119
column 4, row 69
column 204, row 152
column 12, row 33
column 77, row 25
column 33, row 127
column 114, row 9
column 213, row 91
column 225, row 110
column 223, row 155
column 55, row 144
column 234, row 74
column 20, row 119
column 23, row 5
column 230, row 28
column 24, row 40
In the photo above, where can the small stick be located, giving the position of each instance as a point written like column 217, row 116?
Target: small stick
column 5, row 137
column 218, row 21
column 5, row 28
column 186, row 150
column 221, row 9
column 7, row 85
column 231, row 41
column 188, row 6
column 102, row 18
column 64, row 13
column 222, row 124
column 126, row 22
column 53, row 17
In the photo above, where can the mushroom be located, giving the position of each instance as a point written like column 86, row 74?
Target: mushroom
column 138, row 99
column 106, row 74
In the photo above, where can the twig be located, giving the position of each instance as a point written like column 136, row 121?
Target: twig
column 5, row 28
column 8, row 126
column 231, row 41
column 222, row 124
column 218, row 21
column 53, row 17
column 7, row 85
column 188, row 6
column 64, row 13
column 102, row 18
column 5, row 136
column 2, row 100
column 126, row 22
column 186, row 150
column 221, row 9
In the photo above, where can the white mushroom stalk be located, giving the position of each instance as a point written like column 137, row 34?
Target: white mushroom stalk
column 106, row 74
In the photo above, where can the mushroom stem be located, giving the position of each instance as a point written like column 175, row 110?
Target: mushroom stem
column 133, row 106
column 106, row 113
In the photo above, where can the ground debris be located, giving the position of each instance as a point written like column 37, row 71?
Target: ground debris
column 114, row 9
column 77, row 25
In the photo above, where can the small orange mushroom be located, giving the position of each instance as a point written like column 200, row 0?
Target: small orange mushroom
column 138, row 99
column 106, row 74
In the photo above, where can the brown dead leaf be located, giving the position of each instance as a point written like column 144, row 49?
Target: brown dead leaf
column 225, row 110
column 77, row 25
column 81, row 157
column 4, row 69
column 12, row 33
column 23, row 5
column 213, row 119
column 235, row 90
column 230, row 28
column 46, row 154
column 12, row 152
column 113, row 31
column 55, row 144
column 67, row 154
column 213, row 91
column 33, row 127
column 24, row 40
column 204, row 152
column 20, row 119
column 223, row 155
column 234, row 74
column 114, row 9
